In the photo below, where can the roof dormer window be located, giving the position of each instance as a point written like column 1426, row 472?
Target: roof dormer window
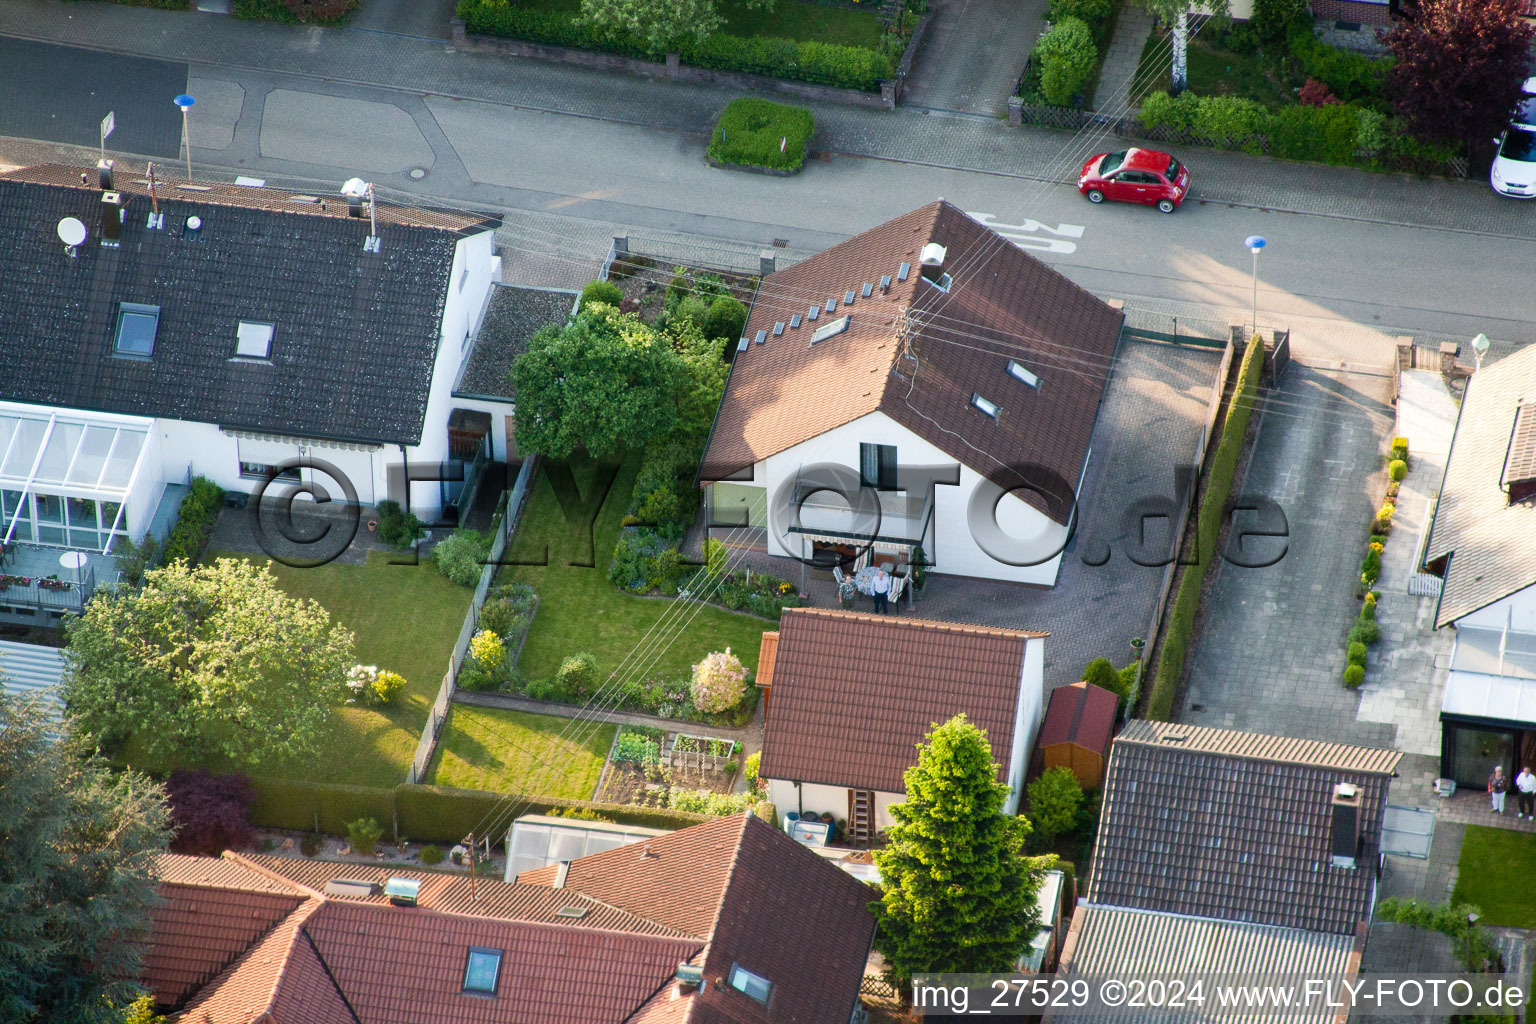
column 753, row 986
column 136, row 328
column 253, row 340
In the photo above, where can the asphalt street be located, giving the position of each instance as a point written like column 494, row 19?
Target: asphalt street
column 570, row 181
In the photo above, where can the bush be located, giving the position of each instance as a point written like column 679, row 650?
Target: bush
column 310, row 844
column 1357, row 654
column 487, row 649
column 462, row 556
column 211, row 813
column 761, row 133
column 600, row 291
column 1351, row 76
column 134, row 560
column 1372, row 132
column 1240, row 39
column 1382, row 522
column 430, row 855
column 1316, row 94
column 577, row 677
column 291, row 12
column 702, row 801
column 1397, row 469
column 1353, row 675
column 194, row 521
column 726, row 319
column 387, row 686
column 754, row 760
column 1325, row 133
column 508, row 611
column 1160, row 110
column 846, row 67
column 1053, row 802
column 1271, row 18
column 397, row 528
column 1368, row 610
column 1090, row 11
column 719, row 682
column 364, row 835
column 1370, row 568
column 1067, row 56
column 1400, row 448
column 1365, row 631
column 1229, row 121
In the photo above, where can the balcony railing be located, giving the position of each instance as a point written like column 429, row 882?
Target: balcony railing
column 41, row 595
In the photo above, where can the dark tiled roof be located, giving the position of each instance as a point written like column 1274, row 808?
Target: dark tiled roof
column 1222, row 824
column 853, row 694
column 1083, row 714
column 356, row 333
column 513, row 316
column 1004, row 304
column 1489, row 540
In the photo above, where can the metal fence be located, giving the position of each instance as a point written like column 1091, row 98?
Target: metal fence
column 700, row 759
column 438, row 715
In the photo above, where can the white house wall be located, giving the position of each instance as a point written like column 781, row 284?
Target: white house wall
column 1517, row 611
column 955, row 551
column 1027, row 719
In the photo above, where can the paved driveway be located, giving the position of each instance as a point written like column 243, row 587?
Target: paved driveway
column 1270, row 654
column 973, row 55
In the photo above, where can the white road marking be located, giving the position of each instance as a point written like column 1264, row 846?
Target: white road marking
column 1030, row 234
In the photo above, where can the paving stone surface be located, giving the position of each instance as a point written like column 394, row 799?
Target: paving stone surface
column 974, row 53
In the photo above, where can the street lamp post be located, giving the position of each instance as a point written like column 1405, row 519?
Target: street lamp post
column 185, row 103
column 1479, row 349
column 1255, row 243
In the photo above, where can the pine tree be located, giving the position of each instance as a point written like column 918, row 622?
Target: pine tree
column 958, row 896
column 75, row 875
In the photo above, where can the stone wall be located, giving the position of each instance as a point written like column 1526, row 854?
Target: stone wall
column 1351, row 10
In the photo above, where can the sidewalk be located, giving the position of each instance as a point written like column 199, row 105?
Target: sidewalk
column 429, row 66
column 1115, row 93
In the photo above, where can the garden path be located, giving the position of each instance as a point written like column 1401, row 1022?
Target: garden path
column 750, row 735
column 1118, row 92
column 974, row 54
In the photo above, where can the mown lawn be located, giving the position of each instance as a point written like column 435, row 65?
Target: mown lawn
column 514, row 752
column 579, row 610
column 405, row 618
column 1494, row 874
column 1212, row 72
column 788, row 19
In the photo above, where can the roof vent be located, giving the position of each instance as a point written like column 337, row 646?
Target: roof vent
column 111, row 218
column 932, row 259
column 351, row 888
column 193, row 229
column 1345, row 833
column 778, row 328
column 867, row 290
column 794, row 321
column 830, row 329
column 690, row 977
column 646, row 853
column 885, row 283
column 402, row 892
column 848, row 298
column 901, row 274
column 815, row 312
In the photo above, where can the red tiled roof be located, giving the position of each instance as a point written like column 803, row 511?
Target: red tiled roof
column 246, row 992
column 854, row 694
column 767, row 656
column 918, row 354
column 200, row 930
column 1083, row 714
column 215, row 873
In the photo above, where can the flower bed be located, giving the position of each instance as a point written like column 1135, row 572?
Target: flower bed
column 640, row 773
column 1364, row 633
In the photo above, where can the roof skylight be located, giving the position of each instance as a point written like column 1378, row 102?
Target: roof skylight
column 830, row 329
column 253, row 340
column 990, row 408
column 482, row 971
column 136, row 327
column 1021, row 372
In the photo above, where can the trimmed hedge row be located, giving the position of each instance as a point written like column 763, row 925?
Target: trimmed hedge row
column 1186, row 601
column 845, row 67
column 194, row 521
column 432, row 813
column 750, row 132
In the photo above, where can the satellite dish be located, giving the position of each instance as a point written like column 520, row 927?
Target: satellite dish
column 71, row 231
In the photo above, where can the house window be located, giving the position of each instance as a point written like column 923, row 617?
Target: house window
column 482, row 970
column 253, row 340
column 754, row 986
column 990, row 408
column 136, row 327
column 877, row 466
column 262, row 471
column 1019, row 371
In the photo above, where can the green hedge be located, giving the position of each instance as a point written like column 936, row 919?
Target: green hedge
column 426, row 813
column 194, row 521
column 1186, row 601
column 164, row 5
column 1350, row 75
column 750, row 132
column 846, row 67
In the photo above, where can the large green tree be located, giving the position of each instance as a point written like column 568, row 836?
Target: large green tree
column 660, row 25
column 957, row 894
column 209, row 661
column 604, row 383
column 77, row 847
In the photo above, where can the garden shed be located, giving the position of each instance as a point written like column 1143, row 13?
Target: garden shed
column 1079, row 724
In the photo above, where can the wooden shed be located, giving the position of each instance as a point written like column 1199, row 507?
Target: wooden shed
column 1079, row 724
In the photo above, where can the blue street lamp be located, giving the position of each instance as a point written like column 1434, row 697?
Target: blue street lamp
column 185, row 103
column 1255, row 243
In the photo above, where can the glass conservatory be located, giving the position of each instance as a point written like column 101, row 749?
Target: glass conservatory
column 73, row 479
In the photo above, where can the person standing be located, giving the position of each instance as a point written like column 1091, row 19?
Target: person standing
column 1525, row 787
column 880, row 589
column 1498, row 785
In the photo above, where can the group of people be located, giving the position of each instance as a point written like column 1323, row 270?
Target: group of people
column 1525, row 789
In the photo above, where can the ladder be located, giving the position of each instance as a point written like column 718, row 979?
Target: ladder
column 861, row 816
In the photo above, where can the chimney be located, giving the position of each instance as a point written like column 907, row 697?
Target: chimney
column 932, row 260
column 1346, row 824
column 560, row 873
column 111, row 217
column 104, row 174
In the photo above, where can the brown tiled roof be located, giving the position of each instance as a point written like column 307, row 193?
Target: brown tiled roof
column 199, row 930
column 450, row 893
column 1003, row 304
column 855, row 693
column 1083, row 714
column 767, row 656
column 247, row 992
column 1223, row 824
column 1487, row 538
column 215, row 873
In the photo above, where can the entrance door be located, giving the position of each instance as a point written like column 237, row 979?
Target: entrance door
column 1476, row 751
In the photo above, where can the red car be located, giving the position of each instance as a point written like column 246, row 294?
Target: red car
column 1135, row 176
